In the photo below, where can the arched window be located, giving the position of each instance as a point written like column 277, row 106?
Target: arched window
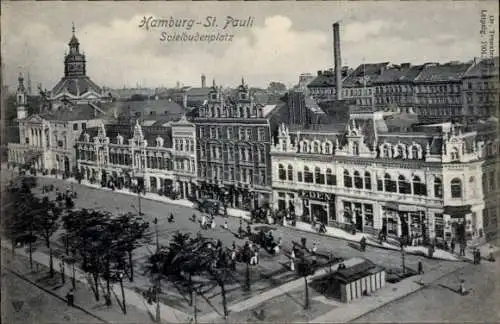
column 347, row 179
column 290, row 173
column 368, row 180
column 316, row 147
column 386, row 151
column 400, row 152
column 390, row 185
column 456, row 188
column 358, row 181
column 319, row 178
column 330, row 178
column 438, row 188
column 308, row 176
column 328, row 148
column 403, row 185
column 418, row 187
column 355, row 148
column 281, row 172
column 414, row 152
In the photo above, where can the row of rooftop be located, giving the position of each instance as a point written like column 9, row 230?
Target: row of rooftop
column 384, row 72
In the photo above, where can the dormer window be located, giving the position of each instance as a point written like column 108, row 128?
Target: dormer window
column 86, row 137
column 386, row 151
column 414, row 152
column 328, row 148
column 316, row 147
column 214, row 96
column 119, row 140
column 159, row 142
column 243, row 96
column 355, row 148
column 400, row 152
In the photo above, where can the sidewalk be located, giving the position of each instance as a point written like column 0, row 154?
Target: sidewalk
column 372, row 241
column 256, row 300
column 168, row 314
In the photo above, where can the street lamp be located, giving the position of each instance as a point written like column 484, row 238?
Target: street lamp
column 156, row 232
column 120, row 276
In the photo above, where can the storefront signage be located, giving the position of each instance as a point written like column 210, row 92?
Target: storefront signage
column 314, row 195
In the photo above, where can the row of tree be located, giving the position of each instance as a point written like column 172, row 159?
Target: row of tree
column 102, row 243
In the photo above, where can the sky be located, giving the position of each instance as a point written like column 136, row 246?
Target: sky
column 285, row 39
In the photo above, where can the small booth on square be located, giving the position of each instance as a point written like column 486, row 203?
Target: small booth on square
column 359, row 279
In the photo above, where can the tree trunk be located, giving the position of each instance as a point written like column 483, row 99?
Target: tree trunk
column 131, row 266
column 306, row 305
column 96, row 283
column 224, row 302
column 51, row 262
column 31, row 251
column 247, row 278
column 191, row 290
column 195, row 311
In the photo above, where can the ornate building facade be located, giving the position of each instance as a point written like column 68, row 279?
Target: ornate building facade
column 47, row 138
column 233, row 141
column 367, row 174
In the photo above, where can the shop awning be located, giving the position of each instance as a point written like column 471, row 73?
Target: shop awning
column 457, row 211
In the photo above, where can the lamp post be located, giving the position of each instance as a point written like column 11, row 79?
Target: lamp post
column 156, row 234
column 120, row 276
column 403, row 258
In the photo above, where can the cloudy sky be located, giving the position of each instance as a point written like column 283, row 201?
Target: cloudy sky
column 287, row 38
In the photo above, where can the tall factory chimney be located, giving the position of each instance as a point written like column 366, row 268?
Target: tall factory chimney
column 203, row 81
column 338, row 60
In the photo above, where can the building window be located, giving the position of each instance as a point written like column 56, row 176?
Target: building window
column 355, row 148
column 290, row 173
column 242, row 134
column 308, row 176
column 418, row 187
column 262, row 176
column 328, row 148
column 492, row 179
column 316, row 147
column 389, row 184
column 84, row 126
column 347, row 179
column 404, row 186
column 281, row 172
column 75, row 126
column 368, row 215
column 456, row 188
column 249, row 134
column 386, row 151
column 261, row 134
column 262, row 157
column 358, row 181
column 299, row 176
column 330, row 178
column 414, row 152
column 319, row 177
column 454, row 155
column 368, row 180
column 439, row 225
column 438, row 188
column 400, row 152
column 229, row 133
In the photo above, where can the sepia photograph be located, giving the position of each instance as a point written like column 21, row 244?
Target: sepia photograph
column 250, row 162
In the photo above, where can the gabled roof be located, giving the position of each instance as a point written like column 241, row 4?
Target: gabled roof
column 364, row 73
column 443, row 72
column 484, row 68
column 399, row 73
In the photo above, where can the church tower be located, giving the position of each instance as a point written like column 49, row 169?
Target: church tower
column 74, row 62
column 21, row 98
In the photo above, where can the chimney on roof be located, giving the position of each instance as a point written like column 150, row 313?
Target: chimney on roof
column 203, row 81
column 338, row 60
column 405, row 65
column 320, row 73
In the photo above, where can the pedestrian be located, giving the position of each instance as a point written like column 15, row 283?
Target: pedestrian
column 203, row 222
column 292, row 265
column 234, row 245
column 213, row 223
column 462, row 249
column 314, row 248
column 452, row 245
column 420, row 268
column 491, row 257
column 478, row 256
column 233, row 259
column 276, row 249
column 249, row 230
column 70, row 297
column 225, row 225
column 292, row 254
column 462, row 289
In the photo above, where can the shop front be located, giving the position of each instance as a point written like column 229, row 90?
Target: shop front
column 457, row 223
column 406, row 221
column 317, row 206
